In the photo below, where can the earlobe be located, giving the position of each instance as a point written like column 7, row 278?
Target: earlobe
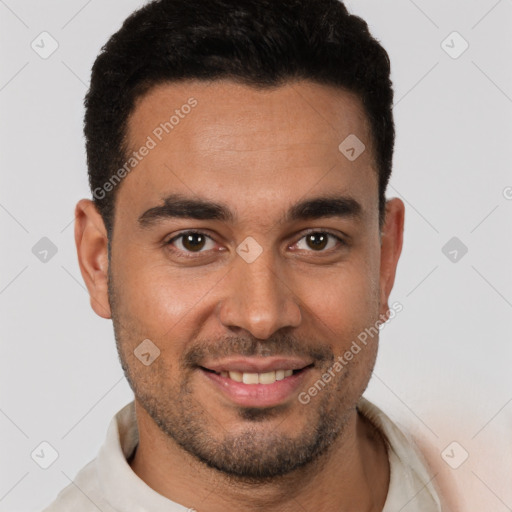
column 92, row 244
column 391, row 247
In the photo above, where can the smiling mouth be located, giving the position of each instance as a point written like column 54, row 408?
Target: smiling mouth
column 257, row 378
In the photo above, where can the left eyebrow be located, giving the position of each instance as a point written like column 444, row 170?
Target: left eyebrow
column 325, row 206
column 179, row 206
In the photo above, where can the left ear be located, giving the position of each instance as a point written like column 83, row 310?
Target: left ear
column 391, row 247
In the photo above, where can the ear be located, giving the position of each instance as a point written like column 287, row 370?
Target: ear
column 391, row 247
column 91, row 246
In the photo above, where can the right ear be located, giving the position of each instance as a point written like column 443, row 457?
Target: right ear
column 92, row 250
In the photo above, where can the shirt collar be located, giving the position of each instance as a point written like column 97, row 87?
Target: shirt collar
column 120, row 485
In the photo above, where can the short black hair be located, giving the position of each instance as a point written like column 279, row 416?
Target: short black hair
column 262, row 43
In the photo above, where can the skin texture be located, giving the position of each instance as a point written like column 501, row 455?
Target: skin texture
column 257, row 152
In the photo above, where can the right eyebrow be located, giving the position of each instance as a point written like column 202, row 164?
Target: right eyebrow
column 178, row 206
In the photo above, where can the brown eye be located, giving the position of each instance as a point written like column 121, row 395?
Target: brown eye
column 318, row 241
column 191, row 242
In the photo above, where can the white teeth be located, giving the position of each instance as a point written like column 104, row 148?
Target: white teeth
column 267, row 378
column 257, row 378
column 250, row 378
column 238, row 376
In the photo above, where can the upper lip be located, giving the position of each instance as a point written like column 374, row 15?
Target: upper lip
column 256, row 365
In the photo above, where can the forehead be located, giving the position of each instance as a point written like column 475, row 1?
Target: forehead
column 303, row 111
column 227, row 141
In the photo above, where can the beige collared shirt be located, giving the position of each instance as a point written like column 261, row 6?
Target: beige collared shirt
column 108, row 484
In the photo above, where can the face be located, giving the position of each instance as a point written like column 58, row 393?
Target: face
column 246, row 247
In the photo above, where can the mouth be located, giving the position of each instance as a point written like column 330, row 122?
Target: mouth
column 257, row 382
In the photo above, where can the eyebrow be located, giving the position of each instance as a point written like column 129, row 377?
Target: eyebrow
column 183, row 207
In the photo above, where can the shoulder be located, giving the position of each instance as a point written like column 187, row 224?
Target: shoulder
column 81, row 495
column 93, row 487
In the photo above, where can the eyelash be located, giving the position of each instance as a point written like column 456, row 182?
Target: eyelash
column 198, row 254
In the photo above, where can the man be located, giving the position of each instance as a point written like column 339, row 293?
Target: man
column 240, row 240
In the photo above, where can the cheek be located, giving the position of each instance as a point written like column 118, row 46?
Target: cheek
column 149, row 290
column 347, row 297
column 164, row 302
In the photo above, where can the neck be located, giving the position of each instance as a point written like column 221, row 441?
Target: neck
column 352, row 475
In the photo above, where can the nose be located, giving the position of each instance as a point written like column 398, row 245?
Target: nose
column 259, row 298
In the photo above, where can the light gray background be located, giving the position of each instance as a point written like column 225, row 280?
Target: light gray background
column 444, row 363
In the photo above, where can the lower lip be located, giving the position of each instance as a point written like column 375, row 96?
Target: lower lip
column 258, row 395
